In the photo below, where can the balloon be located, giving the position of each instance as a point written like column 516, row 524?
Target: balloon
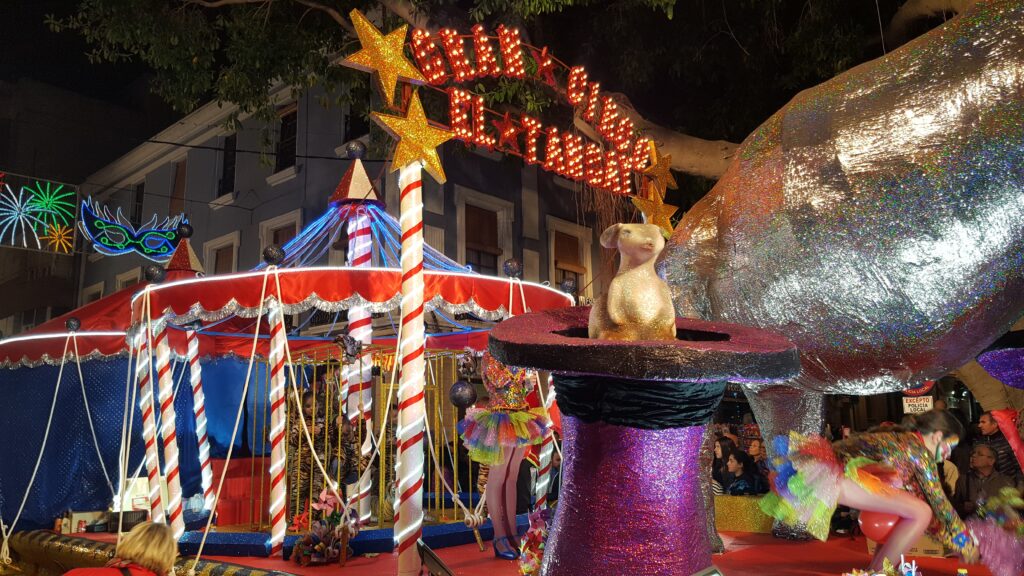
column 877, row 525
column 462, row 394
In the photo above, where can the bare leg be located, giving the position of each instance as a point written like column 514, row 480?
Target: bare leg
column 510, row 484
column 494, row 494
column 915, row 515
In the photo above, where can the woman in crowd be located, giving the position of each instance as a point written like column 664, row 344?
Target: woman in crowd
column 746, row 478
column 719, row 468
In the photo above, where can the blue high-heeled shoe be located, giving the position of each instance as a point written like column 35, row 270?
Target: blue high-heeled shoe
column 509, row 553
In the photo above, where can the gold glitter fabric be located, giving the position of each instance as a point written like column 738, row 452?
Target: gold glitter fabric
column 875, row 220
column 741, row 514
column 46, row 553
column 417, row 139
column 384, row 55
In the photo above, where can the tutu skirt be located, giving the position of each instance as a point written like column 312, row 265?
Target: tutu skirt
column 489, row 434
column 806, row 473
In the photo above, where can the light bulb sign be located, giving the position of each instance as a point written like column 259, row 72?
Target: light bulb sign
column 114, row 235
column 606, row 162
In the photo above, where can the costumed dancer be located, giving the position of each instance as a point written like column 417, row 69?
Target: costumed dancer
column 893, row 471
column 497, row 436
column 307, row 478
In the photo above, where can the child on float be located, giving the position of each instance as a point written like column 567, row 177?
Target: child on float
column 893, row 471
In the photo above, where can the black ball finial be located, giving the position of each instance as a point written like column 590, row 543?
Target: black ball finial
column 513, row 268
column 462, row 394
column 273, row 255
column 568, row 285
column 355, row 149
column 185, row 230
column 73, row 324
column 155, row 274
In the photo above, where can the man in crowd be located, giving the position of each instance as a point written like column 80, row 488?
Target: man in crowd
column 980, row 483
column 1006, row 461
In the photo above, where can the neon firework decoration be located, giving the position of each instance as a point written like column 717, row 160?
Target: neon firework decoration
column 113, row 235
column 37, row 214
column 606, row 160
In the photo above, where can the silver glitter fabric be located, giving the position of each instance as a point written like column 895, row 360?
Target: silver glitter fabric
column 779, row 410
column 707, row 496
column 626, row 504
column 876, row 219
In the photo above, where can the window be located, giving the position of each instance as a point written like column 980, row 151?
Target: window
column 482, row 250
column 128, row 278
column 224, row 260
column 286, row 139
column 138, row 197
column 177, row 204
column 280, row 229
column 569, row 254
column 484, row 232
column 568, row 259
column 220, row 255
column 227, row 166
column 92, row 293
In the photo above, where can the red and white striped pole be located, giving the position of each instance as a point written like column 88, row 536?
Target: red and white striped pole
column 144, row 376
column 199, row 408
column 411, row 407
column 359, row 374
column 278, row 422
column 547, row 449
column 168, row 432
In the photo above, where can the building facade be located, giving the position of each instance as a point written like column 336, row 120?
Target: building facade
column 491, row 208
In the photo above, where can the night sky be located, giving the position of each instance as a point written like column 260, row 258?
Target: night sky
column 31, row 50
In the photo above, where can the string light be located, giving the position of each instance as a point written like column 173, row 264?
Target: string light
column 609, row 119
column 533, row 131
column 428, row 57
column 593, row 165
column 573, row 149
column 593, row 96
column 486, row 63
column 553, row 160
column 576, row 90
column 456, row 52
column 511, row 52
column 624, row 136
column 480, row 135
column 641, row 155
column 613, row 175
column 459, row 103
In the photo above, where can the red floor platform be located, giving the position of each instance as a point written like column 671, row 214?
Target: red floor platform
column 746, row 555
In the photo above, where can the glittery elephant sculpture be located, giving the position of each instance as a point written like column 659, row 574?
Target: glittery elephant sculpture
column 877, row 220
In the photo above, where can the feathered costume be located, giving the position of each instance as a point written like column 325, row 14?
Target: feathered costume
column 808, row 469
column 508, row 422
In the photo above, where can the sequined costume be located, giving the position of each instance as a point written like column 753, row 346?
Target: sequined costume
column 808, row 469
column 508, row 422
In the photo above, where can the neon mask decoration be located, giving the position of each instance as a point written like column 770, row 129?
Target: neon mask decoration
column 113, row 235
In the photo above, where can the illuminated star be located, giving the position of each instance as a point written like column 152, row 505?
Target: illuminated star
column 655, row 211
column 508, row 133
column 545, row 65
column 659, row 172
column 383, row 54
column 59, row 238
column 417, row 139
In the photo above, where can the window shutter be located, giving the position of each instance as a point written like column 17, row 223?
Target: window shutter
column 567, row 253
column 482, row 230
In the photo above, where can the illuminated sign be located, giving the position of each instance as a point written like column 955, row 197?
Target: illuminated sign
column 114, row 235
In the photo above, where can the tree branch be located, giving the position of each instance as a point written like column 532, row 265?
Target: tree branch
column 406, row 11
column 692, row 155
column 334, row 14
column 912, row 10
column 220, row 3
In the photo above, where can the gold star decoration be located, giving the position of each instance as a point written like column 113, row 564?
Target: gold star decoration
column 655, row 210
column 659, row 172
column 382, row 54
column 417, row 139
